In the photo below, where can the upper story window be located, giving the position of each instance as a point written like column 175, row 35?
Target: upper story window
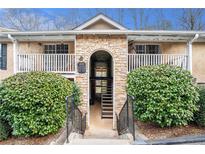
column 56, row 48
column 3, row 56
column 147, row 49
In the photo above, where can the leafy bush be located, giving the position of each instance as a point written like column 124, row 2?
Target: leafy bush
column 200, row 115
column 34, row 103
column 164, row 95
column 5, row 130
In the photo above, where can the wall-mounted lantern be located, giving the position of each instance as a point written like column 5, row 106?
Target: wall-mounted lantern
column 81, row 65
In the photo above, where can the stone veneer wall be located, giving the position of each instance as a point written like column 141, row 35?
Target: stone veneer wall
column 86, row 45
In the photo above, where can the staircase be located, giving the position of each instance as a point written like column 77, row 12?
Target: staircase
column 107, row 104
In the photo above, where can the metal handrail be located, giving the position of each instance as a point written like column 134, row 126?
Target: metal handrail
column 125, row 118
column 74, row 117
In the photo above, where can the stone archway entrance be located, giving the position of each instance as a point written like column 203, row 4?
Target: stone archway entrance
column 101, row 94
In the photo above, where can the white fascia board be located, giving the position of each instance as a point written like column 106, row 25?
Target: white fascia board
column 55, row 35
column 159, row 38
column 125, row 32
column 46, row 38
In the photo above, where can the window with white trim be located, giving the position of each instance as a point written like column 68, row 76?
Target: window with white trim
column 56, row 48
column 147, row 49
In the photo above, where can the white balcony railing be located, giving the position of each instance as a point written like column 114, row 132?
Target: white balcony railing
column 138, row 60
column 59, row 63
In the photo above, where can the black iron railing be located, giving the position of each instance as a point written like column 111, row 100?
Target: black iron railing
column 125, row 119
column 76, row 120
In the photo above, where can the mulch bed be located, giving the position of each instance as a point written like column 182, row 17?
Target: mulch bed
column 153, row 132
column 43, row 140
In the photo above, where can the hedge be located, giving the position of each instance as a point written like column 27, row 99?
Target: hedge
column 34, row 103
column 164, row 95
column 200, row 115
column 5, row 130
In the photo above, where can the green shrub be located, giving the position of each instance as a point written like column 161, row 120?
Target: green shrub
column 200, row 115
column 34, row 103
column 5, row 130
column 164, row 95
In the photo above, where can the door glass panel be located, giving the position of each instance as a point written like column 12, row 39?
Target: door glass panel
column 98, row 90
column 98, row 82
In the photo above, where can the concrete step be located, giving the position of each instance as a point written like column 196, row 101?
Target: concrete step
column 100, row 142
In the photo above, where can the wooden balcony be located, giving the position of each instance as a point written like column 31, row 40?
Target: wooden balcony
column 58, row 63
column 138, row 60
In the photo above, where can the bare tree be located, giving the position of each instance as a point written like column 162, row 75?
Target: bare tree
column 143, row 19
column 61, row 23
column 140, row 18
column 120, row 15
column 134, row 17
column 192, row 19
column 23, row 19
column 161, row 22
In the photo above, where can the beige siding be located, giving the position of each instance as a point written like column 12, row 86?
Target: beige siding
column 101, row 25
column 198, row 62
column 173, row 48
column 30, row 47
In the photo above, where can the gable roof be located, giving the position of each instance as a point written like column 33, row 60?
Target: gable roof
column 100, row 17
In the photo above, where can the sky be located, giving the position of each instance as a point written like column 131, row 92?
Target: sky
column 84, row 14
column 170, row 14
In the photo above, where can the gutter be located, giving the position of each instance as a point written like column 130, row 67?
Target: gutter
column 117, row 32
column 11, row 38
column 195, row 38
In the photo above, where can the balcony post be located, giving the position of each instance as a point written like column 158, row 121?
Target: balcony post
column 15, row 48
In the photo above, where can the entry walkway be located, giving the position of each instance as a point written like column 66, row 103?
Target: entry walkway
column 100, row 131
column 100, row 142
column 99, row 128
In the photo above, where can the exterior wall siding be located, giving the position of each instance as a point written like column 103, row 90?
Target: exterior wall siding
column 198, row 61
column 173, row 48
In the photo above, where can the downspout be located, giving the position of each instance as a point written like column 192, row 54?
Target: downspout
column 14, row 41
column 190, row 51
